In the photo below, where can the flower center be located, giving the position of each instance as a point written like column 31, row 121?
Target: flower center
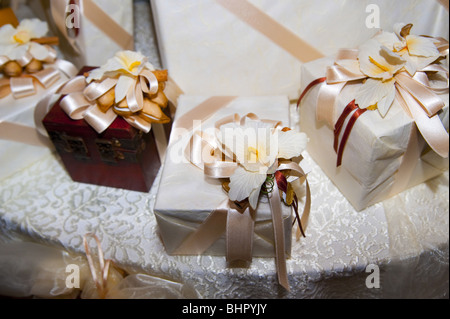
column 134, row 65
column 382, row 67
column 22, row 37
column 252, row 155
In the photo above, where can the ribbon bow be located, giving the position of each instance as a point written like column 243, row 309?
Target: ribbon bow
column 415, row 94
column 24, row 85
column 141, row 107
column 237, row 219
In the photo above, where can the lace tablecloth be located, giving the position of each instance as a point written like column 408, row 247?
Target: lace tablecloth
column 406, row 236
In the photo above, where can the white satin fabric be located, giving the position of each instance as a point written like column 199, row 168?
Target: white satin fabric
column 407, row 236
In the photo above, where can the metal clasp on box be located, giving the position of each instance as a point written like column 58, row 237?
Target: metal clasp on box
column 113, row 151
column 70, row 144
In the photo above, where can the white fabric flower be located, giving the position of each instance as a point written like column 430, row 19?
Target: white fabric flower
column 417, row 51
column 16, row 42
column 384, row 56
column 256, row 146
column 126, row 65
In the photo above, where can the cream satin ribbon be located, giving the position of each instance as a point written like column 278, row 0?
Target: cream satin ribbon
column 98, row 17
column 80, row 101
column 415, row 95
column 272, row 29
column 237, row 219
column 25, row 87
column 101, row 282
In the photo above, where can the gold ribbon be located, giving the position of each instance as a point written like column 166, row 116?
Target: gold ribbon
column 80, row 102
column 237, row 219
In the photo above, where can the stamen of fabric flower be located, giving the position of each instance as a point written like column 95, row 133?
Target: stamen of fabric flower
column 252, row 154
column 134, row 65
column 22, row 37
column 378, row 64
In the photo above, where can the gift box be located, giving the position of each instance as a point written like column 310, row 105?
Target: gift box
column 372, row 153
column 192, row 198
column 28, row 72
column 104, row 139
column 90, row 31
column 255, row 47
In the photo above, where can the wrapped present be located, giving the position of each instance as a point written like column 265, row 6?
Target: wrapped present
column 377, row 116
column 254, row 47
column 108, row 124
column 220, row 198
column 91, row 31
column 29, row 70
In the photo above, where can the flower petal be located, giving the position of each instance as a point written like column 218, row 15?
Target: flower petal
column 39, row 52
column 377, row 61
column 398, row 27
column 7, row 35
column 387, row 39
column 243, row 183
column 123, row 86
column 385, row 103
column 291, row 144
column 35, row 27
column 421, row 46
column 373, row 91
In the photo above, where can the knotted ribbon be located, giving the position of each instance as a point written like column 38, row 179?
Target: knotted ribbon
column 235, row 219
column 25, row 85
column 80, row 102
column 416, row 96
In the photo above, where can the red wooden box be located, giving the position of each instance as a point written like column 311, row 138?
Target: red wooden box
column 120, row 157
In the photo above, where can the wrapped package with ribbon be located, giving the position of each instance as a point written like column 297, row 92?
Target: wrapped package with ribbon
column 32, row 270
column 377, row 116
column 268, row 41
column 29, row 70
column 91, row 31
column 232, row 180
column 111, row 124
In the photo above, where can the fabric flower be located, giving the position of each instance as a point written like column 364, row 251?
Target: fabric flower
column 382, row 58
column 256, row 146
column 418, row 51
column 16, row 42
column 126, row 65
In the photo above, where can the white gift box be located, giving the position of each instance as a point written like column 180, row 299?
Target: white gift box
column 375, row 149
column 209, row 49
column 99, row 37
column 15, row 155
column 186, row 197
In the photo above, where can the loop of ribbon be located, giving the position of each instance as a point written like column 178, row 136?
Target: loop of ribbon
column 237, row 220
column 80, row 102
column 101, row 282
column 25, row 85
column 416, row 96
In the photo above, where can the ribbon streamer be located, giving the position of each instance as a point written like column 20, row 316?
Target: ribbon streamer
column 418, row 99
column 236, row 220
